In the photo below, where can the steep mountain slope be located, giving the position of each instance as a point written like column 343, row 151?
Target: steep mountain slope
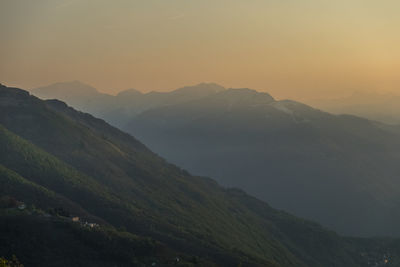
column 341, row 171
column 20, row 188
column 53, row 152
column 119, row 109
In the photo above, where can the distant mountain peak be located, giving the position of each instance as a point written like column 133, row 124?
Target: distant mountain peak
column 200, row 88
column 71, row 87
column 211, row 85
column 129, row 92
column 242, row 90
column 73, row 83
column 248, row 94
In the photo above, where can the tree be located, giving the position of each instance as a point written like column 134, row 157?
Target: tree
column 14, row 262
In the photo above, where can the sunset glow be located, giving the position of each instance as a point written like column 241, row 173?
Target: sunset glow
column 292, row 49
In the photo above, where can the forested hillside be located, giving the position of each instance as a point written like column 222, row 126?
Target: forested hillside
column 65, row 163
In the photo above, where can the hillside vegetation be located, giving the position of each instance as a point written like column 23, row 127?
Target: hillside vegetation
column 55, row 158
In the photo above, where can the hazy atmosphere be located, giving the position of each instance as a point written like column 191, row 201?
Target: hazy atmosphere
column 199, row 133
column 292, row 49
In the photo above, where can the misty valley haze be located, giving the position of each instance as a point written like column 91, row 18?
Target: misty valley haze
column 199, row 133
column 291, row 155
column 95, row 195
column 383, row 107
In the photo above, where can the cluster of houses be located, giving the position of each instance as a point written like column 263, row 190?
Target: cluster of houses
column 85, row 224
column 11, row 203
column 377, row 261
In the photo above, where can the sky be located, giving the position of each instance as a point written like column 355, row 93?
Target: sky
column 299, row 49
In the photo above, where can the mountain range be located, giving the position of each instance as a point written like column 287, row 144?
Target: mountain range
column 341, row 171
column 119, row 109
column 141, row 209
column 338, row 170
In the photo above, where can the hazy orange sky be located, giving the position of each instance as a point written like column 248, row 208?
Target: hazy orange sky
column 290, row 48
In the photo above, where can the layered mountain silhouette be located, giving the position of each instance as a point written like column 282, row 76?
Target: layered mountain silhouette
column 119, row 109
column 145, row 210
column 339, row 170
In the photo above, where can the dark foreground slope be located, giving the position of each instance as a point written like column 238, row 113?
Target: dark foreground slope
column 54, row 157
column 56, row 241
column 341, row 171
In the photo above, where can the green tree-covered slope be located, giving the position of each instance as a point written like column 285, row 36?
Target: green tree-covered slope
column 50, row 152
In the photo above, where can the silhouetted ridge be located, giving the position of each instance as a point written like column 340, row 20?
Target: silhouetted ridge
column 129, row 93
column 73, row 87
column 287, row 153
